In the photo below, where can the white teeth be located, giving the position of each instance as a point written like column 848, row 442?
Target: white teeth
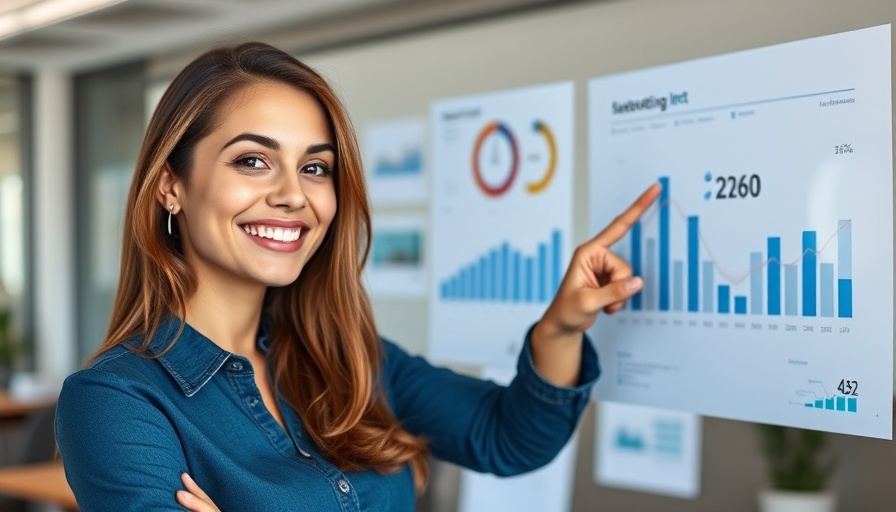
column 279, row 234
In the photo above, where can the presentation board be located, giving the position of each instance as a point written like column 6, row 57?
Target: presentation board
column 767, row 260
column 501, row 218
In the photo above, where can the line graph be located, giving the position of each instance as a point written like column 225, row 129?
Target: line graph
column 668, row 282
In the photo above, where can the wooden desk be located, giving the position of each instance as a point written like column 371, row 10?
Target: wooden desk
column 11, row 408
column 44, row 482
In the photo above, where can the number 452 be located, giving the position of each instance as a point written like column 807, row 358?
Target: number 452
column 849, row 387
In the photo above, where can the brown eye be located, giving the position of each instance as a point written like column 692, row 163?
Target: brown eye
column 251, row 162
column 317, row 169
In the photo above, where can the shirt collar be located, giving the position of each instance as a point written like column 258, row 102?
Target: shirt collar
column 194, row 359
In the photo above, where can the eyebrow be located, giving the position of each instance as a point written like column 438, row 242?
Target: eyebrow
column 254, row 137
column 274, row 145
column 320, row 148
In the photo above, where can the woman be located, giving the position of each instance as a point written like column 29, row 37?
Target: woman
column 242, row 351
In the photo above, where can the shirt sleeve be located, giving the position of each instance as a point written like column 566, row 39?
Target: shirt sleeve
column 119, row 450
column 505, row 430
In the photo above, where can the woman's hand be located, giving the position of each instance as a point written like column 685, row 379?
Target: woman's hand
column 597, row 280
column 194, row 499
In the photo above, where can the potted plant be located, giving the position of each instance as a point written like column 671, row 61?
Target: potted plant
column 9, row 348
column 800, row 464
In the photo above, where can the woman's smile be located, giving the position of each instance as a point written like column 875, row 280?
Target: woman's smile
column 277, row 235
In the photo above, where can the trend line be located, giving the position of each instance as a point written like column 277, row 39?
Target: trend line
column 728, row 276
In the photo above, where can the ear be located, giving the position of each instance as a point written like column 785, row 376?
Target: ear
column 169, row 190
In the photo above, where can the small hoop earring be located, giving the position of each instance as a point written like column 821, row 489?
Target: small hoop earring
column 170, row 209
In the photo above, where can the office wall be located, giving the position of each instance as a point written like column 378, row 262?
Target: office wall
column 398, row 77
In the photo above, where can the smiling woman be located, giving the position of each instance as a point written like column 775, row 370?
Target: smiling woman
column 242, row 368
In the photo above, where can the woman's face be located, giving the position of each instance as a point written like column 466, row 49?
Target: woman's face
column 260, row 196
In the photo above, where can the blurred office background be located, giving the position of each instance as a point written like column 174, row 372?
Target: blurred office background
column 78, row 80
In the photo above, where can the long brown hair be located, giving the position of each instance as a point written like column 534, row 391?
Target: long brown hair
column 324, row 344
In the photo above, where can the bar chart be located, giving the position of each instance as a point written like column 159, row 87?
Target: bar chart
column 505, row 274
column 835, row 403
column 695, row 281
column 648, row 449
column 767, row 258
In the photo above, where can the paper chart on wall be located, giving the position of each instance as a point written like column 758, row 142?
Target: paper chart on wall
column 501, row 218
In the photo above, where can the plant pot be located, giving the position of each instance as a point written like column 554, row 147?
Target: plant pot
column 774, row 500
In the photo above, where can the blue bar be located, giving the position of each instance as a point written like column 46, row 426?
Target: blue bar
column 517, row 276
column 484, row 278
column 827, row 289
column 844, row 269
column 504, row 272
column 444, row 291
column 636, row 261
column 740, row 305
column 664, row 244
column 756, row 283
column 649, row 289
column 724, row 298
column 810, row 264
column 774, row 276
column 542, row 272
column 708, row 287
column 844, row 298
column 471, row 281
column 530, row 279
column 475, row 292
column 464, row 280
column 841, row 403
column 819, row 404
column 829, row 403
column 809, row 404
column 790, row 284
column 852, row 404
column 844, row 249
column 556, row 261
column 693, row 263
column 678, row 285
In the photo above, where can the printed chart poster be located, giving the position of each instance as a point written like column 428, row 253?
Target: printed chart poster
column 501, row 218
column 396, row 266
column 547, row 488
column 648, row 449
column 393, row 156
column 768, row 258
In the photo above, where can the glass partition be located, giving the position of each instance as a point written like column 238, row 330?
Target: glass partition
column 15, row 351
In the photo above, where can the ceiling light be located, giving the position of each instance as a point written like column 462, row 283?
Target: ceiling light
column 48, row 12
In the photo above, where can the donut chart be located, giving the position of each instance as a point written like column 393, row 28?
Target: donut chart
column 502, row 130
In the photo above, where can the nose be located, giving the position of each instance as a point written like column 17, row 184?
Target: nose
column 287, row 192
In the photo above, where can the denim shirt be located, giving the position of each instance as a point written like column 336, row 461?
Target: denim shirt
column 128, row 426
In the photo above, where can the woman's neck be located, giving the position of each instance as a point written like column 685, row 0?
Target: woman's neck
column 227, row 313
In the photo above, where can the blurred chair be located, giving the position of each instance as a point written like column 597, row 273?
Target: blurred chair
column 35, row 442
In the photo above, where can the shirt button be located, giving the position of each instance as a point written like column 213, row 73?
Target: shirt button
column 236, row 365
column 252, row 401
column 343, row 486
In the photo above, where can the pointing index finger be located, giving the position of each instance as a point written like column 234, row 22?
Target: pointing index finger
column 624, row 221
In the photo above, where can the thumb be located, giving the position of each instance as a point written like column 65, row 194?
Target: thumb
column 616, row 292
